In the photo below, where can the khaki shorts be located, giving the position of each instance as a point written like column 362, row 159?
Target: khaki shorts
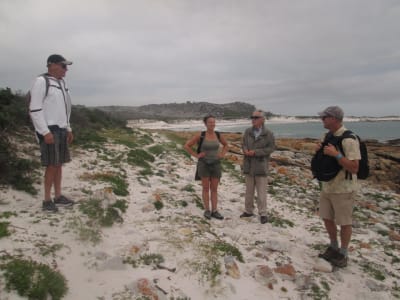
column 337, row 207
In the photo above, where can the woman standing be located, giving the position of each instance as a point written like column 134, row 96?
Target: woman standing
column 209, row 164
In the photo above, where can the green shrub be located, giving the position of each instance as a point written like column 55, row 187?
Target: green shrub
column 4, row 229
column 158, row 205
column 34, row 280
column 140, row 158
column 228, row 249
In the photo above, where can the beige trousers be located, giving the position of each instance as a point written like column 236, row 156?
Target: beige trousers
column 258, row 183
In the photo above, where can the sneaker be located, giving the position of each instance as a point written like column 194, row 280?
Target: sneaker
column 263, row 219
column 246, row 215
column 339, row 260
column 329, row 254
column 63, row 201
column 217, row 215
column 207, row 214
column 49, row 206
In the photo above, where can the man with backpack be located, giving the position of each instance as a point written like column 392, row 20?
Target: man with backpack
column 338, row 194
column 50, row 110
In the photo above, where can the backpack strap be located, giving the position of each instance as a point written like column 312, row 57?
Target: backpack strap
column 47, row 80
column 348, row 134
column 202, row 135
column 218, row 135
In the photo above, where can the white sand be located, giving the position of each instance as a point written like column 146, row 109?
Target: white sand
column 177, row 233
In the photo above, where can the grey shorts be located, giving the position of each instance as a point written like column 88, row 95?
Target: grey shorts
column 57, row 153
column 209, row 169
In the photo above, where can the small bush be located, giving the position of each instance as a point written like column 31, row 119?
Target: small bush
column 158, row 205
column 140, row 158
column 228, row 249
column 34, row 280
column 4, row 229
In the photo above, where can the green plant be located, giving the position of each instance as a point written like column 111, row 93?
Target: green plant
column 118, row 181
column 317, row 293
column 4, row 229
column 279, row 222
column 46, row 248
column 8, row 214
column 188, row 188
column 34, row 280
column 103, row 216
column 228, row 249
column 151, row 259
column 373, row 270
column 87, row 231
column 145, row 259
column 157, row 149
column 158, row 204
column 198, row 201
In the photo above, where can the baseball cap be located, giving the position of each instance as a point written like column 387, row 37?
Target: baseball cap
column 332, row 111
column 57, row 59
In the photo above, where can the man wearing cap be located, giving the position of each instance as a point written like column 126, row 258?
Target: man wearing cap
column 258, row 144
column 338, row 195
column 50, row 110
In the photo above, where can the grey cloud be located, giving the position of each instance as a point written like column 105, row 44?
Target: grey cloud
column 284, row 56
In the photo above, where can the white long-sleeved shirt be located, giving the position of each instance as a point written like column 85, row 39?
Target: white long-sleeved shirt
column 53, row 109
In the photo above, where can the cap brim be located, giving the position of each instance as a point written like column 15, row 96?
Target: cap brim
column 66, row 62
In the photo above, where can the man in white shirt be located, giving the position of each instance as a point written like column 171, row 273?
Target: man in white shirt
column 50, row 110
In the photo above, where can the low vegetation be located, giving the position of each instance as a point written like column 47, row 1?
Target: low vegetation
column 33, row 280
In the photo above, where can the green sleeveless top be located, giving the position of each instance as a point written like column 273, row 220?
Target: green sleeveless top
column 211, row 149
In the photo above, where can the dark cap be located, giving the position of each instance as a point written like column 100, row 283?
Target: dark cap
column 332, row 111
column 57, row 59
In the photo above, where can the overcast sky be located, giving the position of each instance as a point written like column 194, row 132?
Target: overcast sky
column 288, row 57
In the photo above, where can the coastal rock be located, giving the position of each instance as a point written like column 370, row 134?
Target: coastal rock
column 231, row 267
column 264, row 275
column 303, row 282
column 375, row 286
column 276, row 245
column 321, row 265
column 144, row 287
column 286, row 272
column 394, row 236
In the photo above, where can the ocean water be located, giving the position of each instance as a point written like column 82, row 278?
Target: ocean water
column 378, row 130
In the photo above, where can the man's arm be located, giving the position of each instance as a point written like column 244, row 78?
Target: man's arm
column 38, row 91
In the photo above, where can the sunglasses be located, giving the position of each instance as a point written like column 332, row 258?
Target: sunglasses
column 255, row 117
column 64, row 66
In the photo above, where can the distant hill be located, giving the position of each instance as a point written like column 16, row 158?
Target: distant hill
column 174, row 111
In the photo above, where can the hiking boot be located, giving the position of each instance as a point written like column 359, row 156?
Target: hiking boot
column 263, row 219
column 339, row 260
column 63, row 201
column 329, row 254
column 217, row 215
column 207, row 214
column 246, row 215
column 49, row 206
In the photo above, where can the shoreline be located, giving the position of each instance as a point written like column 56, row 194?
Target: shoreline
column 188, row 123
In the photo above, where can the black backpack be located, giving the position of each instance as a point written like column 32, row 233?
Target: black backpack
column 363, row 164
column 325, row 167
